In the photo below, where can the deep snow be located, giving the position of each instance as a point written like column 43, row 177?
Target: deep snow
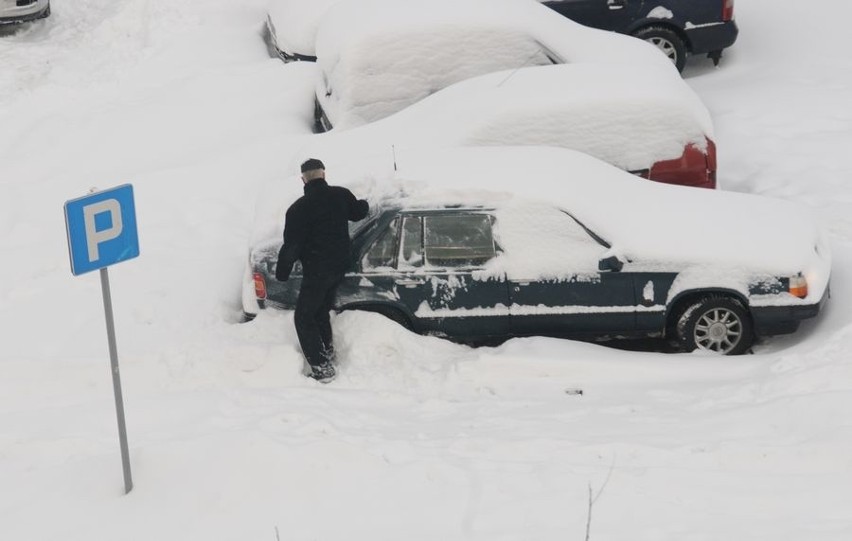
column 418, row 438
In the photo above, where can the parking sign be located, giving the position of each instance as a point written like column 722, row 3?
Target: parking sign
column 101, row 229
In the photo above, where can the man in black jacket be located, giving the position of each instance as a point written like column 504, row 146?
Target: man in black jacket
column 316, row 232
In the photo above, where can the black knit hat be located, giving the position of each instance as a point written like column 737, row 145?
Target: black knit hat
column 312, row 164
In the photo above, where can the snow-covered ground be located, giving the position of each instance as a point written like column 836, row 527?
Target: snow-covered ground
column 418, row 438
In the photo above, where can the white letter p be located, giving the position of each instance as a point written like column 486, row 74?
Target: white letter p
column 95, row 237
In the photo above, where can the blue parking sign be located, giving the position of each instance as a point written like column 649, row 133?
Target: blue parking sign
column 101, row 229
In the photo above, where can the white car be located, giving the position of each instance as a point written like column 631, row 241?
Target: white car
column 634, row 117
column 377, row 57
column 484, row 243
column 18, row 11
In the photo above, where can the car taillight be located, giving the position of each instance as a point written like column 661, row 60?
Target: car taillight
column 799, row 286
column 728, row 10
column 695, row 167
column 259, row 286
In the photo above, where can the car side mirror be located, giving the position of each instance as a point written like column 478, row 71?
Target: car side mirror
column 611, row 263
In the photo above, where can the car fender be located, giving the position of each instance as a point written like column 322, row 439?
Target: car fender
column 375, row 305
column 675, row 24
column 697, row 281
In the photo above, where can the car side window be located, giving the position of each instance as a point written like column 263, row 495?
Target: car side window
column 382, row 254
column 411, row 244
column 457, row 240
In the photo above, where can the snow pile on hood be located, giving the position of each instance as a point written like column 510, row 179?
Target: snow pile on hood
column 629, row 116
column 395, row 52
column 647, row 222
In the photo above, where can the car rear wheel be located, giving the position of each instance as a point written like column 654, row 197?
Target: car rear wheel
column 715, row 324
column 667, row 41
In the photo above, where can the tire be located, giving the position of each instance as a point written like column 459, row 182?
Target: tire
column 667, row 41
column 719, row 325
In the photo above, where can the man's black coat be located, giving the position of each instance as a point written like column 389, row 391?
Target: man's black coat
column 316, row 230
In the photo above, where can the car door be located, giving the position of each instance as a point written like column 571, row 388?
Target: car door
column 440, row 274
column 562, row 292
column 606, row 14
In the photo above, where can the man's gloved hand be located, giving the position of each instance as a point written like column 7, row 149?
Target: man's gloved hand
column 282, row 273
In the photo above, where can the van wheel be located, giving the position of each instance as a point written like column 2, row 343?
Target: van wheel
column 716, row 324
column 668, row 41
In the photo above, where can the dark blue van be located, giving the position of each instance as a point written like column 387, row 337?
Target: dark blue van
column 678, row 27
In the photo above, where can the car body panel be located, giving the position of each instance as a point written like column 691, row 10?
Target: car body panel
column 18, row 11
column 615, row 15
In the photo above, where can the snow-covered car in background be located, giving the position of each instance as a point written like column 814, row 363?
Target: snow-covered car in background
column 677, row 27
column 18, row 11
column 291, row 27
column 377, row 57
column 453, row 249
column 634, row 117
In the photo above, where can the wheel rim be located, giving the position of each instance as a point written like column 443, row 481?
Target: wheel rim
column 718, row 330
column 666, row 46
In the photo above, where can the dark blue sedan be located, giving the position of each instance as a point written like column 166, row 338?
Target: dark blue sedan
column 678, row 27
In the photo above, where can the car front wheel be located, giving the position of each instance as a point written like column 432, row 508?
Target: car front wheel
column 666, row 41
column 716, row 324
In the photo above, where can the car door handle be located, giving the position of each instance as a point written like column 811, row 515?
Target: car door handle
column 616, row 4
column 408, row 282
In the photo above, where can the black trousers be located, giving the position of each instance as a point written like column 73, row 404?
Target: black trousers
column 313, row 326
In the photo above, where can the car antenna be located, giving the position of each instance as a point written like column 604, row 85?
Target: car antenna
column 393, row 151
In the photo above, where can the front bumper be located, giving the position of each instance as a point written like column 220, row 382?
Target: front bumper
column 22, row 14
column 771, row 320
column 712, row 38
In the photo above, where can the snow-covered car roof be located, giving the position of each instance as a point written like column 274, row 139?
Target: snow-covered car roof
column 629, row 116
column 391, row 53
column 714, row 233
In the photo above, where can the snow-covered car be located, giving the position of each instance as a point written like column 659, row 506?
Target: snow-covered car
column 677, row 27
column 19, row 11
column 634, row 117
column 452, row 248
column 291, row 27
column 377, row 57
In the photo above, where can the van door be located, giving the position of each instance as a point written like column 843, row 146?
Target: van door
column 606, row 14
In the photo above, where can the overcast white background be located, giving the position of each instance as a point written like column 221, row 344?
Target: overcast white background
column 418, row 438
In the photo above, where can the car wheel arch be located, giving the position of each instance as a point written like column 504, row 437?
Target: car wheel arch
column 395, row 312
column 669, row 39
column 673, row 25
column 685, row 299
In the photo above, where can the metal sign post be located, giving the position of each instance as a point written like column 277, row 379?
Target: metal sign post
column 101, row 231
